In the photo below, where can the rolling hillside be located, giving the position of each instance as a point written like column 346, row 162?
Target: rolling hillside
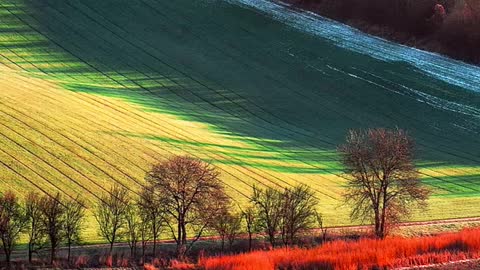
column 93, row 92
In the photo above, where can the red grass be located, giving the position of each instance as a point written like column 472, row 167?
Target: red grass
column 149, row 267
column 362, row 254
column 177, row 265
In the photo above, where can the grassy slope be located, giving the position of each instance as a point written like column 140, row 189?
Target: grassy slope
column 92, row 92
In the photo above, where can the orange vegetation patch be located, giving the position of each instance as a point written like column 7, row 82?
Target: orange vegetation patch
column 363, row 254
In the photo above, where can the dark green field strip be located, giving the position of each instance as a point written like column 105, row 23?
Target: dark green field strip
column 197, row 27
column 172, row 11
column 453, row 185
column 246, row 60
column 469, row 185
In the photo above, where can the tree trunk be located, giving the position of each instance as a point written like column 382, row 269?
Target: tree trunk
column 52, row 254
column 384, row 215
column 271, row 236
column 180, row 243
column 230, row 244
column 143, row 251
column 377, row 223
column 7, row 258
column 249, row 241
column 30, row 252
column 184, row 242
column 154, row 241
column 111, row 248
column 69, row 252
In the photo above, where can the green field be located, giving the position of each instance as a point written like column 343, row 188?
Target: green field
column 93, row 92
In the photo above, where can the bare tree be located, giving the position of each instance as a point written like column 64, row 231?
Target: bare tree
column 249, row 215
column 53, row 219
column 321, row 224
column 268, row 203
column 12, row 223
column 145, row 232
column 298, row 212
column 133, row 221
column 154, row 213
column 74, row 214
column 228, row 226
column 110, row 213
column 234, row 229
column 36, row 228
column 192, row 195
column 383, row 183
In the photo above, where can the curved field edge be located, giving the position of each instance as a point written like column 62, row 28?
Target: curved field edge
column 76, row 123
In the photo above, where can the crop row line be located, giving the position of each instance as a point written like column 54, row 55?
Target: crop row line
column 267, row 52
column 152, row 7
column 120, row 83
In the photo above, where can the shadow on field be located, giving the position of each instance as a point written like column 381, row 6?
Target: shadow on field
column 245, row 74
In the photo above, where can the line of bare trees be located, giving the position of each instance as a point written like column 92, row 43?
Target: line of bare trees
column 185, row 198
column 48, row 222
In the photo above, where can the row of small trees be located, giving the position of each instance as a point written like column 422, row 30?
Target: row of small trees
column 184, row 196
column 47, row 220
